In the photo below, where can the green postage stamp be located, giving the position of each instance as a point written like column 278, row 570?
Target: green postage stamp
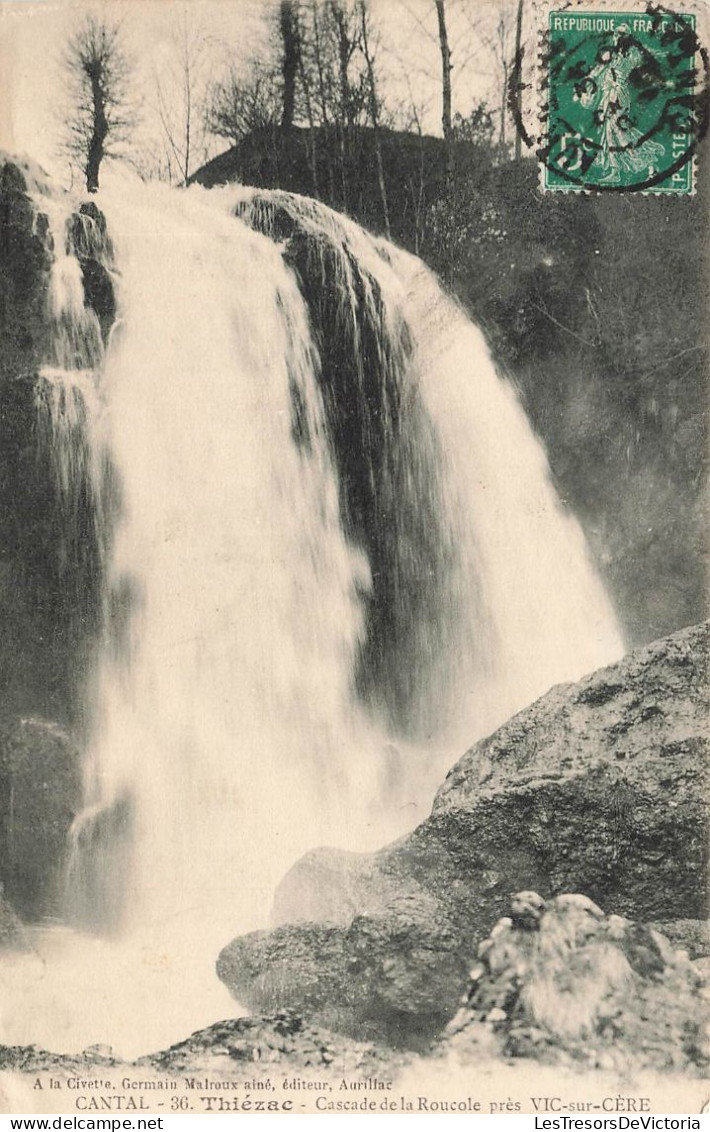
column 625, row 99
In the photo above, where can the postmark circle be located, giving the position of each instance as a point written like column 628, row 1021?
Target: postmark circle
column 626, row 100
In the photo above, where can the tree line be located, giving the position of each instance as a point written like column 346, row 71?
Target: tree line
column 325, row 68
column 572, row 292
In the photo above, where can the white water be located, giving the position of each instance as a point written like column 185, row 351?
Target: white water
column 227, row 725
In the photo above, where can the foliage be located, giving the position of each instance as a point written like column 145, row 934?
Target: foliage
column 242, row 101
column 181, row 92
column 477, row 128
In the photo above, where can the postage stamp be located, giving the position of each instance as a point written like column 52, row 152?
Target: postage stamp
column 625, row 100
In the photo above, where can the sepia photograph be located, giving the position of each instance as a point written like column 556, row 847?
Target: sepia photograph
column 354, row 719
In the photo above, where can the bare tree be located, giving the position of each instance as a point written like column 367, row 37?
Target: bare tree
column 347, row 42
column 291, row 52
column 345, row 48
column 518, row 76
column 500, row 39
column 374, row 108
column 320, row 62
column 242, row 102
column 446, row 69
column 100, row 114
column 181, row 90
column 331, row 65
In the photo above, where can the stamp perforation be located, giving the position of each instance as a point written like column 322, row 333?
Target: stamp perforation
column 638, row 14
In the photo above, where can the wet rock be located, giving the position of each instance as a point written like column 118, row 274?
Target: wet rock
column 40, row 794
column 385, row 976
column 285, row 969
column 599, row 786
column 50, row 557
column 34, row 675
column 25, row 259
column 88, row 238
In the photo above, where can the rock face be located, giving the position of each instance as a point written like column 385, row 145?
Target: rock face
column 51, row 551
column 599, row 787
column 260, row 1046
column 50, row 560
column 559, row 979
column 692, row 936
column 40, row 794
column 25, row 259
column 87, row 234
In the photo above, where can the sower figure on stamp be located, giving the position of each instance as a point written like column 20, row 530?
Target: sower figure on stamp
column 606, row 90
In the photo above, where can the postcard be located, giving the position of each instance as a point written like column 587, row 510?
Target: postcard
column 353, row 559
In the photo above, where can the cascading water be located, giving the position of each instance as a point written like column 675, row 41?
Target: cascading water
column 339, row 558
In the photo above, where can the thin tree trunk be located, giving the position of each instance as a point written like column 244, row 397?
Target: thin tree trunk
column 289, row 66
column 345, row 48
column 503, row 108
column 188, row 121
column 446, row 68
column 98, row 136
column 518, row 76
column 374, row 115
column 319, row 66
column 343, row 142
column 311, row 146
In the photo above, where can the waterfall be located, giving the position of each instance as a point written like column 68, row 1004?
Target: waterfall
column 338, row 558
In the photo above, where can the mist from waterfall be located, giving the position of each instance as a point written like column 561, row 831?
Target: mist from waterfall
column 301, row 633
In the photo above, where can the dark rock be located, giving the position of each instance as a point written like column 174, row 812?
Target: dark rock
column 13, row 936
column 50, row 557
column 403, row 970
column 87, row 236
column 257, row 1045
column 572, row 982
column 232, row 1050
column 383, row 977
column 25, row 259
column 34, row 1059
column 286, row 969
column 599, row 786
column 50, row 567
column 40, row 794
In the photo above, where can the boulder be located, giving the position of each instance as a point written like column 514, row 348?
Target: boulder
column 559, row 980
column 88, row 237
column 40, row 795
column 389, row 977
column 25, row 260
column 335, row 885
column 599, row 787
